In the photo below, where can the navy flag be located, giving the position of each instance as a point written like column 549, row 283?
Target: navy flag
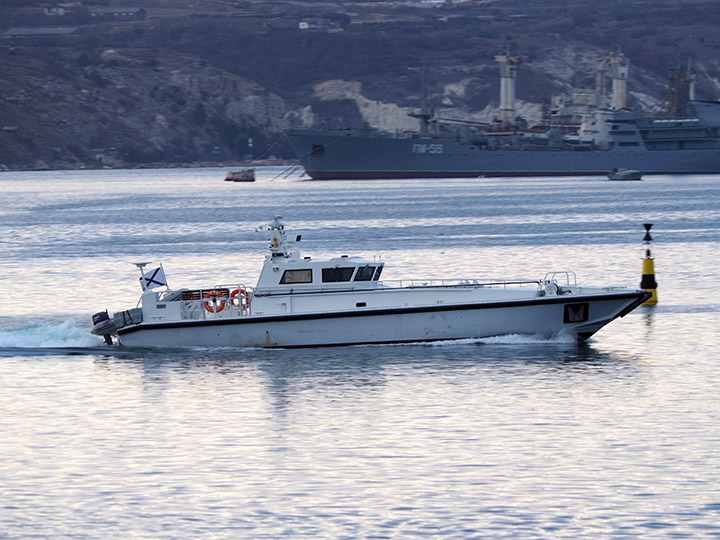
column 153, row 278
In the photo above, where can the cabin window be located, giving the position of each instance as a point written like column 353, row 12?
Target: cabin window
column 365, row 273
column 377, row 273
column 341, row 273
column 318, row 150
column 296, row 276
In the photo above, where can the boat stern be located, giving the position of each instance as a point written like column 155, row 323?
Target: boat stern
column 106, row 326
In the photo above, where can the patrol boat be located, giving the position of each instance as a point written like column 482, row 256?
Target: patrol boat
column 305, row 302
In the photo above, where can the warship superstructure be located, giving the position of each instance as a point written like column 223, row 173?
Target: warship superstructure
column 605, row 138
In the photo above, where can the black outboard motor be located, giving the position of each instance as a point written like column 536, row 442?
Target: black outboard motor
column 103, row 326
column 100, row 316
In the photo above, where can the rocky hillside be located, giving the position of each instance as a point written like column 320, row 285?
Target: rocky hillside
column 186, row 82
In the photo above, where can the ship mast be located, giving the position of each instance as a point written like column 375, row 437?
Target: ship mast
column 280, row 245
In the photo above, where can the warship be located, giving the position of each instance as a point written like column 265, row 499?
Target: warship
column 605, row 137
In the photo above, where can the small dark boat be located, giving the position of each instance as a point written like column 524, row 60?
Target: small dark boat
column 245, row 175
column 625, row 174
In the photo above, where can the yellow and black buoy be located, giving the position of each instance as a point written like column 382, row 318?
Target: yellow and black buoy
column 648, row 271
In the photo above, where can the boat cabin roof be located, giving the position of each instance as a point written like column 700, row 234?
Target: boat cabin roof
column 285, row 275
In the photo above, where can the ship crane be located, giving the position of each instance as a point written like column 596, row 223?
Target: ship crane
column 425, row 115
column 508, row 73
column 681, row 88
column 616, row 66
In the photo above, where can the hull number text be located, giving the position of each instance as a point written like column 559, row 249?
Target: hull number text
column 427, row 148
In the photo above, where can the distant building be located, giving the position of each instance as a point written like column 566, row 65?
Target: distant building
column 60, row 9
column 108, row 157
column 118, row 13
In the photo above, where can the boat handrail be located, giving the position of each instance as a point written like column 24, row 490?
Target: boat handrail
column 555, row 277
column 401, row 284
column 449, row 283
column 234, row 296
column 240, row 296
column 196, row 294
column 236, row 286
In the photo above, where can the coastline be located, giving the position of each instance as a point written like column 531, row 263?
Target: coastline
column 269, row 162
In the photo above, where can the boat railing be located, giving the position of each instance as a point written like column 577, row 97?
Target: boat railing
column 565, row 278
column 457, row 283
column 214, row 302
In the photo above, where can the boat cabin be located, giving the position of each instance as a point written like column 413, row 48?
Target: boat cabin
column 285, row 271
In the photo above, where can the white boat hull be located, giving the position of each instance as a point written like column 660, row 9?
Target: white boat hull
column 305, row 302
column 579, row 315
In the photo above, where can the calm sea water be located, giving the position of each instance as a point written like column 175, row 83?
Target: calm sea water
column 513, row 437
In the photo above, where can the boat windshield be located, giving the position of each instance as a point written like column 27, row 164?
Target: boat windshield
column 365, row 273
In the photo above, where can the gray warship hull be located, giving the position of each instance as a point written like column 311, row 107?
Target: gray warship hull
column 617, row 140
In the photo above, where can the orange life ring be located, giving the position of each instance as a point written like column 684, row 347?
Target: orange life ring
column 215, row 302
column 242, row 301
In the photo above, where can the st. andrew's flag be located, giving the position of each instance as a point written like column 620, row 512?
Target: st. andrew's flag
column 153, row 278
